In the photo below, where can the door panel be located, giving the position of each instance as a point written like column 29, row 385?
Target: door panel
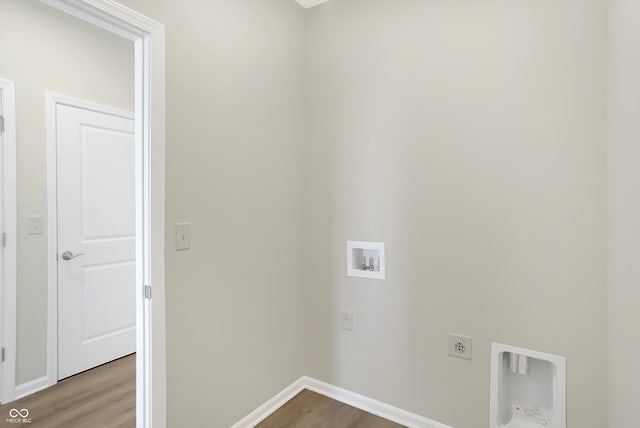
column 108, row 184
column 96, row 223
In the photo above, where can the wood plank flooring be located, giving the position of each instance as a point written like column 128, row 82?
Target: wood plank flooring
column 103, row 397
column 311, row 410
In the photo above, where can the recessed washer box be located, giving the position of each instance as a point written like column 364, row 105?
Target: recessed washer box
column 365, row 259
column 528, row 388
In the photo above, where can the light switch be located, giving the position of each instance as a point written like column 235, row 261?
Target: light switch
column 183, row 236
column 34, row 225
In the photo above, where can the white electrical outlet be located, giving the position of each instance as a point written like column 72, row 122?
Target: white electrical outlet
column 346, row 321
column 459, row 346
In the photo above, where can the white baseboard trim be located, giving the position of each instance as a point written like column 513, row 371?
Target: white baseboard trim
column 32, row 386
column 358, row 401
column 370, row 405
column 262, row 412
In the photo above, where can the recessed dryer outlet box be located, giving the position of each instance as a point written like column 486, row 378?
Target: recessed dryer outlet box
column 365, row 259
column 528, row 388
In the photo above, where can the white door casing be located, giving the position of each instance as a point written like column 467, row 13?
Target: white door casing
column 3, row 369
column 148, row 38
column 8, row 265
column 96, row 237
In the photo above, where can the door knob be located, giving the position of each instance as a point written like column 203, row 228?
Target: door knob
column 68, row 255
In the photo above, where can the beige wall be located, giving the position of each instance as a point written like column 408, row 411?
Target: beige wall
column 624, row 213
column 470, row 137
column 45, row 50
column 234, row 130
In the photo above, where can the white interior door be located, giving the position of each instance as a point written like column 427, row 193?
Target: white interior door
column 96, row 238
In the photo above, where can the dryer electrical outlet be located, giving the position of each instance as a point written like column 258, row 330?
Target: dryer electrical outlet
column 459, row 346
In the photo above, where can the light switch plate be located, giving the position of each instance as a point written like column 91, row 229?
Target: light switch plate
column 34, row 225
column 459, row 346
column 346, row 321
column 183, row 236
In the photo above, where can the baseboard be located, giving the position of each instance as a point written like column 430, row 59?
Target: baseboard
column 32, row 386
column 358, row 401
column 370, row 405
column 262, row 412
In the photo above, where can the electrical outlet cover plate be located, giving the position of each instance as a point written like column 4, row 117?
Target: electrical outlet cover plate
column 459, row 346
column 346, row 321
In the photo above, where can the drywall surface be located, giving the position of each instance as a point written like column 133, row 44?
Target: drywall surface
column 45, row 50
column 234, row 130
column 624, row 214
column 470, row 137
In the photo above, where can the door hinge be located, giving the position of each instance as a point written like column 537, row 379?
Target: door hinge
column 3, row 355
column 147, row 292
column 1, row 124
column 4, row 239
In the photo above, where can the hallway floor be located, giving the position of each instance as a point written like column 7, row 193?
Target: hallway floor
column 103, row 397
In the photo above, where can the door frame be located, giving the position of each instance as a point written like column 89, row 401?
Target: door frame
column 148, row 38
column 53, row 100
column 8, row 217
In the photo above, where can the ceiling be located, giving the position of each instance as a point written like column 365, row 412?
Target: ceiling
column 310, row 3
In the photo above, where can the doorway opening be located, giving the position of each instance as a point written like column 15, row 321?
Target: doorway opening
column 148, row 38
